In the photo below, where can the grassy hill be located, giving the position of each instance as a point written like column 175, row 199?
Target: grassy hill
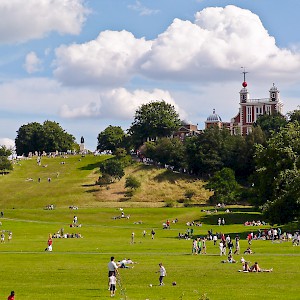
column 70, row 180
column 77, row 267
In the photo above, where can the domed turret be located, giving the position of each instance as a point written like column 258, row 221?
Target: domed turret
column 213, row 120
column 214, row 117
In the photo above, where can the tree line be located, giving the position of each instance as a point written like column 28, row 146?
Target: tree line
column 262, row 167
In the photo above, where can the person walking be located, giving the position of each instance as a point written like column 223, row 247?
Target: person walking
column 215, row 239
column 152, row 234
column 221, row 245
column 49, row 244
column 237, row 245
column 2, row 237
column 162, row 273
column 11, row 296
column 204, row 245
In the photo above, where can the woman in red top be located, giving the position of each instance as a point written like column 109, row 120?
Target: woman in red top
column 11, row 296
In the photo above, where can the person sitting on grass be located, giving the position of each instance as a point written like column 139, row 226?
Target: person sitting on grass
column 256, row 268
column 248, row 251
column 245, row 268
column 230, row 260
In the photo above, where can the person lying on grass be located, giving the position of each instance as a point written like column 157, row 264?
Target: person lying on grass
column 254, row 268
column 230, row 260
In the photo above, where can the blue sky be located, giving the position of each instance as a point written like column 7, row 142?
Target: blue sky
column 91, row 64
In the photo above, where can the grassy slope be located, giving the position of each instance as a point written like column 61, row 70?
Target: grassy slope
column 72, row 183
column 158, row 187
column 77, row 268
column 70, row 180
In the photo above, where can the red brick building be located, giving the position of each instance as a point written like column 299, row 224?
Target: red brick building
column 249, row 111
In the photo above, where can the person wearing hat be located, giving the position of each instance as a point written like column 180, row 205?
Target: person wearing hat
column 11, row 296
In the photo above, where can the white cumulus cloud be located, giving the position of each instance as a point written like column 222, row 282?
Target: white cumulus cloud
column 212, row 47
column 21, row 20
column 111, row 59
column 117, row 103
column 8, row 143
column 220, row 39
column 32, row 63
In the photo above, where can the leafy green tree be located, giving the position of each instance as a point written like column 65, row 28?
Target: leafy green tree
column 120, row 153
column 275, row 162
column 48, row 137
column 207, row 152
column 55, row 138
column 285, row 206
column 5, row 151
column 113, row 168
column 225, row 187
column 104, row 180
column 132, row 183
column 5, row 163
column 148, row 149
column 243, row 155
column 294, row 115
column 189, row 194
column 29, row 138
column 271, row 123
column 153, row 120
column 169, row 151
column 111, row 138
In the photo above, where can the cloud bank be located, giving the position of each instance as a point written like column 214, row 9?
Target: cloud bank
column 213, row 47
column 193, row 65
column 21, row 21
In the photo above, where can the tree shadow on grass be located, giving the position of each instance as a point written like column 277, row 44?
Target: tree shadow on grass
column 169, row 176
column 230, row 218
column 90, row 167
column 142, row 167
column 92, row 191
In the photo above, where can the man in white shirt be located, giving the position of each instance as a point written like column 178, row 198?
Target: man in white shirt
column 162, row 273
column 112, row 268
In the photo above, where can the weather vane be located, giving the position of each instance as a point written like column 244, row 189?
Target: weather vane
column 244, row 84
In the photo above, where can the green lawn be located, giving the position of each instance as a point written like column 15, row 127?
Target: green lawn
column 77, row 268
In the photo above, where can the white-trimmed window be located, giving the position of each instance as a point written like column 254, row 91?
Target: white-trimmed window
column 273, row 96
column 268, row 109
column 249, row 114
column 258, row 112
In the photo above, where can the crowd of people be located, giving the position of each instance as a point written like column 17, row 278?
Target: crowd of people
column 228, row 247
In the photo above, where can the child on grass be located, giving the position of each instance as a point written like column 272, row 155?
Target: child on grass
column 112, row 285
